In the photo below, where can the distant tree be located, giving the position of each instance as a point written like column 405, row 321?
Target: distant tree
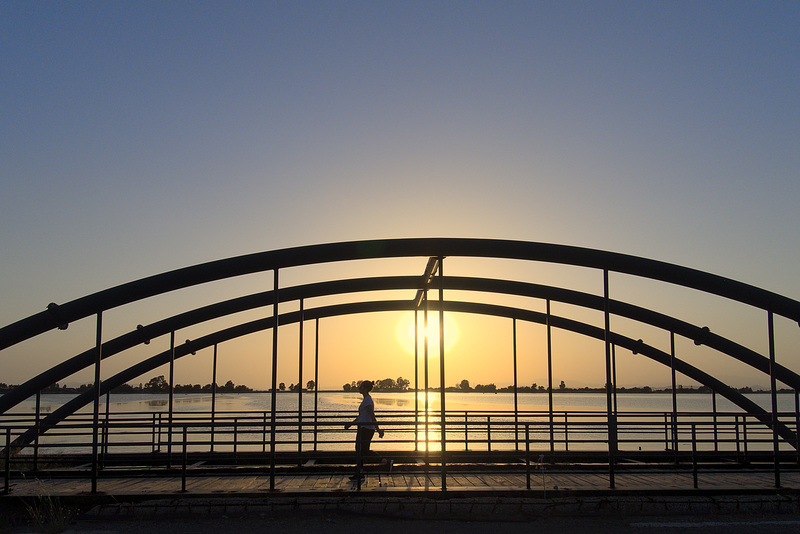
column 282, row 386
column 464, row 385
column 310, row 385
column 562, row 385
column 534, row 387
column 402, row 383
column 124, row 388
column 157, row 384
column 387, row 384
column 346, row 387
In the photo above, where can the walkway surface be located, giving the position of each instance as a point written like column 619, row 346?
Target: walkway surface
column 725, row 503
column 542, row 482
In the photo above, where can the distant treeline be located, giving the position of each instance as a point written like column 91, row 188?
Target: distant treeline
column 387, row 384
column 157, row 384
column 464, row 386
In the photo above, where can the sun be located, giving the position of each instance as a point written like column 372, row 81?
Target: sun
column 405, row 332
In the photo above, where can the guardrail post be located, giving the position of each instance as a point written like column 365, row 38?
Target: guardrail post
column 466, row 431
column 235, row 438
column 773, row 388
column 264, row 435
column 96, row 409
column 527, row 456
column 694, row 455
column 36, row 440
column 185, row 458
column 8, row 461
column 566, row 433
column 744, row 437
column 714, row 416
column 797, row 424
column 489, row 433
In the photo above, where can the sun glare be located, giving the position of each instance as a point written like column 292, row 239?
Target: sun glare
column 406, row 335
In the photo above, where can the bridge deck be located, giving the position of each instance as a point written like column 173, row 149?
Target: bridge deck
column 557, row 483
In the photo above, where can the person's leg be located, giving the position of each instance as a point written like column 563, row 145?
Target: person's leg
column 359, row 454
column 363, row 439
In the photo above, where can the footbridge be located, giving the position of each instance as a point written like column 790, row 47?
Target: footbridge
column 428, row 280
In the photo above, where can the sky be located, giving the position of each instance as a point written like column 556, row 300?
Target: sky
column 140, row 137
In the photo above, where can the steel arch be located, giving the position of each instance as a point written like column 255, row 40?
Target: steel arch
column 58, row 316
column 383, row 306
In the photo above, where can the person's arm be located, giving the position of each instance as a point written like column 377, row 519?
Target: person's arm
column 371, row 415
column 351, row 423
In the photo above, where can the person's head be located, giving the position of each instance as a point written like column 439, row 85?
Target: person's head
column 365, row 387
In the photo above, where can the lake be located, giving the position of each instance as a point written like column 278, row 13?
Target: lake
column 478, row 420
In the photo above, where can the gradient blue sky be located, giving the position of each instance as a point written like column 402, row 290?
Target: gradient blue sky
column 138, row 137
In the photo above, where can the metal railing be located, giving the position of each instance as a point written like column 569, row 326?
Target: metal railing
column 514, row 441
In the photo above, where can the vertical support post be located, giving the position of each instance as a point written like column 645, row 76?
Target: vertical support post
column 300, row 383
column 466, row 430
column 153, row 435
column 425, row 373
column 213, row 396
column 738, row 441
column 774, row 397
column 797, row 423
column 171, row 395
column 614, row 375
column 612, row 418
column 744, row 437
column 416, row 380
column 316, row 380
column 274, row 390
column 105, row 425
column 714, row 419
column 516, row 400
column 36, row 440
column 442, row 420
column 185, row 458
column 98, row 356
column 674, row 396
column 7, row 469
column 694, row 455
column 235, row 439
column 550, row 377
column 527, row 456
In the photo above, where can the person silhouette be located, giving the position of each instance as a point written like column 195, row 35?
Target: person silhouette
column 367, row 425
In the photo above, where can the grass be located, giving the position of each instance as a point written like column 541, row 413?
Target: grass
column 48, row 515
